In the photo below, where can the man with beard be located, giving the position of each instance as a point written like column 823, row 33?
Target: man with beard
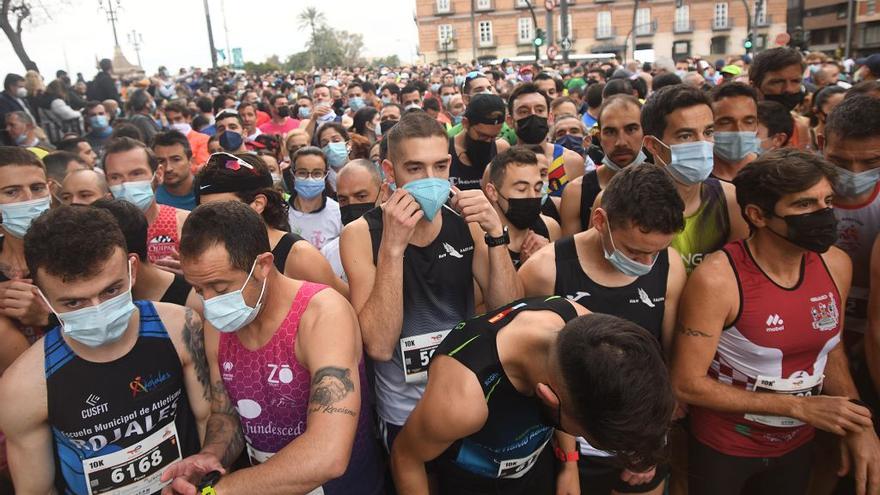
column 777, row 74
column 174, row 155
column 473, row 149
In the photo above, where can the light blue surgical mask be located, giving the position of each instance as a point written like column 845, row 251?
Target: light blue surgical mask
column 304, row 112
column 104, row 323
column 430, row 193
column 17, row 217
column 336, row 153
column 386, row 100
column 229, row 312
column 309, row 188
column 457, row 119
column 377, row 129
column 356, row 103
column 623, row 263
column 849, row 184
column 735, row 146
column 99, row 122
column 435, row 88
column 139, row 193
column 446, row 99
column 608, row 162
column 691, row 163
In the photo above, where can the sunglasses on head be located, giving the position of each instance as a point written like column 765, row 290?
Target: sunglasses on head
column 231, row 161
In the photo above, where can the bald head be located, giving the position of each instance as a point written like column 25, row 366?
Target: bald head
column 84, row 187
column 358, row 182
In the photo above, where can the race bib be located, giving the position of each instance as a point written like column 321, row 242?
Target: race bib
column 804, row 386
column 259, row 457
column 416, row 352
column 137, row 469
column 517, row 468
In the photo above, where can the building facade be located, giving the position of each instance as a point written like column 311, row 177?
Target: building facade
column 822, row 25
column 489, row 29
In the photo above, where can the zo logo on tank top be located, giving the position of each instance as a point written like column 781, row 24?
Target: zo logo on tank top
column 823, row 310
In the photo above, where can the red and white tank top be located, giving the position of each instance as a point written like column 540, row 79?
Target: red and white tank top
column 162, row 237
column 778, row 343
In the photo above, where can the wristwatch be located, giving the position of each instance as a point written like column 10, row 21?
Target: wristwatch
column 498, row 241
column 206, row 486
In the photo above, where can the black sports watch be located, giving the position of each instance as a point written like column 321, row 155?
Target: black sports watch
column 498, row 241
column 206, row 486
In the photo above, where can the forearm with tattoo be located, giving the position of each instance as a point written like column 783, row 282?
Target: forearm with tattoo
column 194, row 338
column 223, row 433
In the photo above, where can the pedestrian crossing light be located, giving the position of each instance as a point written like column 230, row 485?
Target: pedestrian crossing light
column 747, row 44
column 539, row 38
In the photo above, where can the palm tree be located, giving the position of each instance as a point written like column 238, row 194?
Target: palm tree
column 311, row 18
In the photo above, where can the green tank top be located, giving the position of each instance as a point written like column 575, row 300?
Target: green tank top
column 707, row 229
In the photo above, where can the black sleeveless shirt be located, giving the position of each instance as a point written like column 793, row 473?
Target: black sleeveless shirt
column 589, row 191
column 642, row 302
column 517, row 429
column 177, row 292
column 539, row 228
column 121, row 423
column 282, row 249
column 467, row 176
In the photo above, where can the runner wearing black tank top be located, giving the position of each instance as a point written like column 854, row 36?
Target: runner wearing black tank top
column 620, row 136
column 623, row 266
column 119, row 391
column 514, row 187
column 499, row 385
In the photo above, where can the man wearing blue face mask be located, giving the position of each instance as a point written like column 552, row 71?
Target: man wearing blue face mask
column 98, row 128
column 133, row 173
column 287, row 369
column 678, row 125
column 313, row 215
column 622, row 266
column 412, row 264
column 735, row 106
column 852, row 143
column 117, row 392
column 355, row 95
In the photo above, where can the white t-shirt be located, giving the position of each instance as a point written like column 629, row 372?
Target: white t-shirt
column 331, row 252
column 320, row 226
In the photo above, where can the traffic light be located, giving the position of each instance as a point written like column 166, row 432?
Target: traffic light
column 747, row 44
column 539, row 37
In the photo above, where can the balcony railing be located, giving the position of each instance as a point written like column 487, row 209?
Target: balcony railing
column 764, row 21
column 446, row 45
column 722, row 23
column 487, row 43
column 683, row 27
column 647, row 29
column 605, row 33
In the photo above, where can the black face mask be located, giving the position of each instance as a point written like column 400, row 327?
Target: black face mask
column 387, row 125
column 479, row 152
column 283, row 111
column 522, row 213
column 532, row 129
column 816, row 231
column 352, row 212
column 788, row 100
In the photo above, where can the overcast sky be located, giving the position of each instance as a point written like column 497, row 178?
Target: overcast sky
column 175, row 34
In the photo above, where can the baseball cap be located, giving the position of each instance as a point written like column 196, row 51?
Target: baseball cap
column 872, row 62
column 733, row 70
column 485, row 108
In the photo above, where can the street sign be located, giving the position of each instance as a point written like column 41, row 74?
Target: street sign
column 552, row 52
column 237, row 58
column 549, row 4
column 782, row 39
column 566, row 44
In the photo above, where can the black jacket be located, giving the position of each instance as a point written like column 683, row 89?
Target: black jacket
column 103, row 88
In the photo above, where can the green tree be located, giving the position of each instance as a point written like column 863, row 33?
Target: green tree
column 389, row 61
column 312, row 19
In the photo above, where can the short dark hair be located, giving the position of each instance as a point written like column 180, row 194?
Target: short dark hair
column 518, row 155
column 276, row 97
column 204, row 104
column 123, row 144
column 661, row 103
column 11, row 80
column 57, row 161
column 170, row 138
column 70, row 144
column 594, row 95
column 776, row 119
column 854, row 118
column 361, row 117
column 864, row 88
column 72, row 242
column 618, row 385
column 392, row 88
column 771, row 60
column 275, row 212
column 525, row 89
column 431, row 104
column 126, row 129
column 777, row 173
column 410, row 88
column 645, row 197
column 15, row 155
column 413, row 125
column 138, row 100
column 617, row 87
column 336, row 126
column 307, row 151
column 561, row 100
column 132, row 222
column 665, row 79
column 105, row 64
column 733, row 89
column 176, row 106
column 617, row 100
column 234, row 225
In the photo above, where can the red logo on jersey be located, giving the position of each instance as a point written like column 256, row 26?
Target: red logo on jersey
column 824, row 312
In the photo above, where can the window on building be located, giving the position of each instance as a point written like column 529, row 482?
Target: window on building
column 484, row 4
column 643, row 21
column 720, row 20
column 872, row 34
column 871, row 7
column 681, row 49
column 485, row 30
column 683, row 18
column 559, row 23
column 603, row 24
column 760, row 12
column 522, row 4
column 443, row 5
column 524, row 30
column 719, row 45
column 444, row 32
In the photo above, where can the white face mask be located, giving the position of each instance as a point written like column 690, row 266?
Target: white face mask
column 21, row 92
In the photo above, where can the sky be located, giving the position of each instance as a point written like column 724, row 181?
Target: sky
column 175, row 34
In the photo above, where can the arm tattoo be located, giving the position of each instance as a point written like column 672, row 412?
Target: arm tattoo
column 690, row 332
column 329, row 386
column 224, row 426
column 194, row 338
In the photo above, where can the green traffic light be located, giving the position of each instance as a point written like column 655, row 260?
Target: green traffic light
column 539, row 41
